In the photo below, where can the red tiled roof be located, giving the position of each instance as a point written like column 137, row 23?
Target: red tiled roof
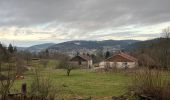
column 122, row 57
column 128, row 56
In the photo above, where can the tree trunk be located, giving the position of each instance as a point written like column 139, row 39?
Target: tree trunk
column 68, row 72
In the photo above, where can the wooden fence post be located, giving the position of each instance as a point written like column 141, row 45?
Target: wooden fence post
column 24, row 90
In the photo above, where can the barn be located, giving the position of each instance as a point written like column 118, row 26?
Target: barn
column 83, row 61
column 120, row 60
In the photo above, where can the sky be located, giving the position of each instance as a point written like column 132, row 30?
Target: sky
column 28, row 22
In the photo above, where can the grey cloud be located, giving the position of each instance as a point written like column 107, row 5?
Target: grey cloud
column 84, row 16
column 147, row 35
column 84, row 13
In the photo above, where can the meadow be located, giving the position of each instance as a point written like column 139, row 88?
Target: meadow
column 82, row 82
column 85, row 83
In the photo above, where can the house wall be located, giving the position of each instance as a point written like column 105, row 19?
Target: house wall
column 84, row 64
column 122, row 65
column 118, row 64
column 90, row 64
column 102, row 64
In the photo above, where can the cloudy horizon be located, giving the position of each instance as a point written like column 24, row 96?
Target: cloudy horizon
column 29, row 22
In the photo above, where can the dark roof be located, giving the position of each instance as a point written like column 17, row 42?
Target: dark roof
column 83, row 57
column 122, row 57
column 86, row 57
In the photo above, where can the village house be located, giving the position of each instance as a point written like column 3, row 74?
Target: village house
column 120, row 60
column 84, row 61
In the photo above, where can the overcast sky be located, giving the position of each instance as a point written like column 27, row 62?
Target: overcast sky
column 29, row 22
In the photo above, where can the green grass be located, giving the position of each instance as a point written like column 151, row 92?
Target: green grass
column 81, row 82
column 98, row 84
column 52, row 63
column 86, row 82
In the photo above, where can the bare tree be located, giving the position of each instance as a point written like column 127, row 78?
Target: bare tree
column 8, row 82
column 68, row 66
column 166, row 32
column 156, row 53
column 165, row 47
column 7, row 77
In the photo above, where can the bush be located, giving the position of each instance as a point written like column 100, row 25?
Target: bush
column 43, row 88
column 152, row 83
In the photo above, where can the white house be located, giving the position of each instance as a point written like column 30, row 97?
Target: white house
column 120, row 60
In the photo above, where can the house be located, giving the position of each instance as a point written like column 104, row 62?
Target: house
column 83, row 61
column 120, row 60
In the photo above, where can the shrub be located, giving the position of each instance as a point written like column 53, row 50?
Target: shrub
column 7, row 79
column 43, row 88
column 152, row 83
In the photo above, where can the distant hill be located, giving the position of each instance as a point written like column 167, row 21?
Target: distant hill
column 70, row 46
column 40, row 47
column 21, row 48
column 141, row 44
column 89, row 45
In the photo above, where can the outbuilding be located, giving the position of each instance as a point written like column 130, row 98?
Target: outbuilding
column 84, row 61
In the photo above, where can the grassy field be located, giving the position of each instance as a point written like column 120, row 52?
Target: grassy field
column 83, row 82
column 87, row 82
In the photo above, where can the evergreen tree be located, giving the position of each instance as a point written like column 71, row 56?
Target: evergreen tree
column 107, row 55
column 1, row 46
column 10, row 48
column 47, row 53
column 4, row 54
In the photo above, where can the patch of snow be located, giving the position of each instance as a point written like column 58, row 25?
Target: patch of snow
column 77, row 43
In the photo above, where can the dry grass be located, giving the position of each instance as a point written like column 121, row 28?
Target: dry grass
column 152, row 83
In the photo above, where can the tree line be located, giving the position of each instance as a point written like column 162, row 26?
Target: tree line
column 156, row 53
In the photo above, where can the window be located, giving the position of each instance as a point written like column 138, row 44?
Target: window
column 125, row 65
